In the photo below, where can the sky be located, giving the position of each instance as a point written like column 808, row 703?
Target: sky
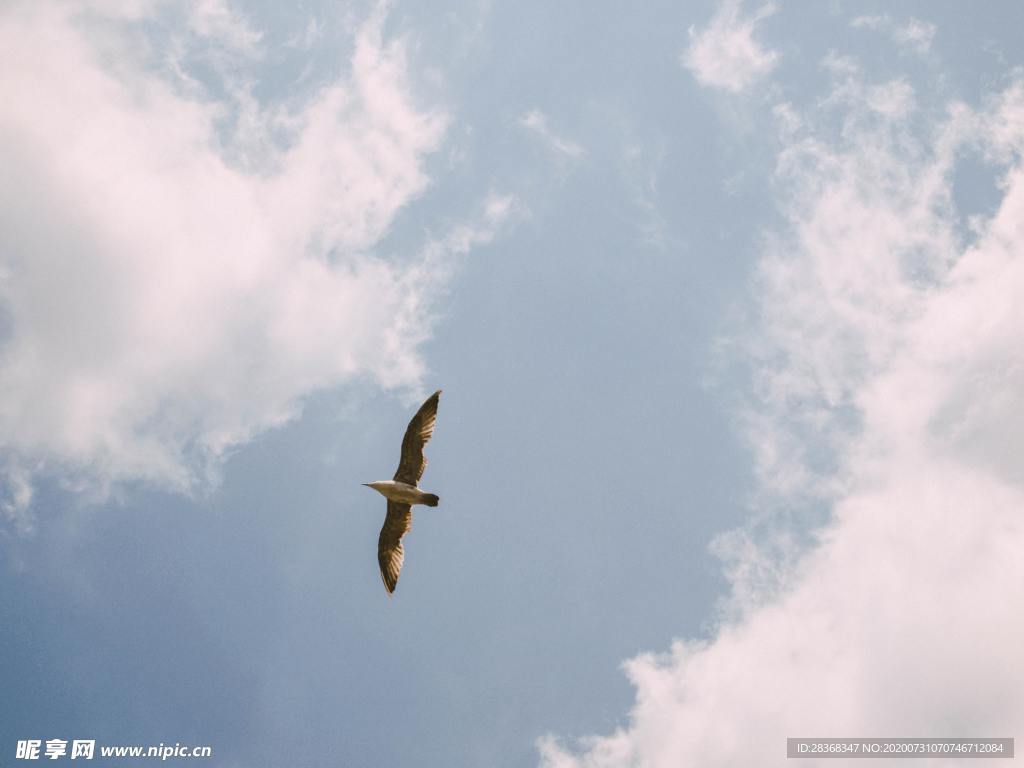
column 722, row 298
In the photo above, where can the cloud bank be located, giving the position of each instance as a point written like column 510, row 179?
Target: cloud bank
column 888, row 391
column 725, row 54
column 181, row 264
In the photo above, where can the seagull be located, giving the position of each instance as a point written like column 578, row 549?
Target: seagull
column 402, row 492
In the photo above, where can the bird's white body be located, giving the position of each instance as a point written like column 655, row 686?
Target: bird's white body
column 404, row 493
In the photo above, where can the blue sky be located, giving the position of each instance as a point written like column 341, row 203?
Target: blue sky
column 722, row 298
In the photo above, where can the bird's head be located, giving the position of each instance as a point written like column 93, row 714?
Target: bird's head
column 377, row 485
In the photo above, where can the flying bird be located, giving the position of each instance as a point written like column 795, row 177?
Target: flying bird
column 403, row 491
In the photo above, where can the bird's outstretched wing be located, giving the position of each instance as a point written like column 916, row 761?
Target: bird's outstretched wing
column 413, row 462
column 390, row 554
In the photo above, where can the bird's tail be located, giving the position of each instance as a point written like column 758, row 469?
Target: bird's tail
column 431, row 499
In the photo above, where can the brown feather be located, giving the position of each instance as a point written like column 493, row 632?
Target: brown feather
column 413, row 462
column 390, row 553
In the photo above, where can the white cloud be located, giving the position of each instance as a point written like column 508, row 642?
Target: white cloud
column 310, row 35
column 640, row 168
column 889, row 383
column 537, row 122
column 917, row 34
column 913, row 34
column 725, row 54
column 219, row 21
column 168, row 289
column 876, row 21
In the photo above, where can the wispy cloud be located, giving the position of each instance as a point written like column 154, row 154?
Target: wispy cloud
column 309, row 36
column 169, row 288
column 537, row 122
column 913, row 34
column 886, row 390
column 724, row 54
column 641, row 168
column 219, row 21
